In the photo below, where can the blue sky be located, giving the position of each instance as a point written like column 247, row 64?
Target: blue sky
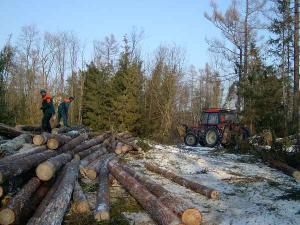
column 164, row 21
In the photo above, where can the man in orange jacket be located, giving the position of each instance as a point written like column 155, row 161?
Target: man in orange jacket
column 48, row 110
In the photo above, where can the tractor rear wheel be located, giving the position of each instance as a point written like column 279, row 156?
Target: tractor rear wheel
column 211, row 137
column 190, row 139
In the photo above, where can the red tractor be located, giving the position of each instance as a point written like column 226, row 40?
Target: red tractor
column 217, row 126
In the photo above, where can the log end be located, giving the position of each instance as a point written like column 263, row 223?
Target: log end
column 54, row 131
column 45, row 171
column 52, row 144
column 38, row 139
column 296, row 175
column 191, row 217
column 102, row 216
column 91, row 174
column 7, row 216
column 82, row 207
column 215, row 195
column 77, row 157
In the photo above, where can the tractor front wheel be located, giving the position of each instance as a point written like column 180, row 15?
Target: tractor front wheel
column 190, row 139
column 211, row 137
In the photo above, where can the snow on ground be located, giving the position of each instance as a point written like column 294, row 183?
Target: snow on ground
column 251, row 192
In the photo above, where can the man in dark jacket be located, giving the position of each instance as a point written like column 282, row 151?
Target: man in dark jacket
column 48, row 110
column 63, row 109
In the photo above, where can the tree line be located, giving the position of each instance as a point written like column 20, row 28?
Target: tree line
column 118, row 88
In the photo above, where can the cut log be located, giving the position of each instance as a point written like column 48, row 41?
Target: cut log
column 1, row 191
column 9, row 132
column 92, row 142
column 158, row 211
column 134, row 146
column 285, row 168
column 118, row 149
column 11, row 146
column 85, row 153
column 92, row 170
column 71, row 145
column 90, row 158
column 80, row 202
column 46, row 170
column 102, row 207
column 61, row 130
column 24, row 164
column 184, row 209
column 20, row 155
column 57, row 206
column 55, row 141
column 26, row 147
column 126, row 148
column 44, row 203
column 194, row 186
column 11, row 214
column 41, row 139
column 30, row 128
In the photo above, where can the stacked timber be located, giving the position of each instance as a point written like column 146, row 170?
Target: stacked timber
column 11, row 146
column 185, row 210
column 158, row 211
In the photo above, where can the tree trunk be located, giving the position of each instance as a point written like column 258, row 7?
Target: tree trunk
column 11, row 146
column 85, row 153
column 11, row 214
column 80, row 202
column 201, row 189
column 44, row 203
column 102, row 207
column 92, row 170
column 71, row 145
column 56, row 141
column 92, row 142
column 30, row 128
column 18, row 156
column 22, row 165
column 285, row 168
column 184, row 209
column 46, row 170
column 57, row 206
column 90, row 158
column 134, row 146
column 158, row 211
column 9, row 132
column 296, row 66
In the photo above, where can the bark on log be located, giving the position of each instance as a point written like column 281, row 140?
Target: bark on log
column 11, row 146
column 24, row 164
column 9, row 132
column 57, row 206
column 85, row 153
column 80, row 202
column 11, row 214
column 92, row 142
column 71, row 145
column 158, row 211
column 92, row 170
column 285, row 168
column 44, row 203
column 1, row 191
column 46, row 170
column 201, row 189
column 186, row 211
column 30, row 128
column 90, row 158
column 61, row 130
column 20, row 155
column 56, row 141
column 72, row 133
column 26, row 147
column 102, row 207
column 134, row 146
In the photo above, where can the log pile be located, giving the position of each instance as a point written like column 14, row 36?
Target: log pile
column 55, row 175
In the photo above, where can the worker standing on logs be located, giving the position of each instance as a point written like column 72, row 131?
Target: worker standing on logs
column 48, row 110
column 63, row 109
